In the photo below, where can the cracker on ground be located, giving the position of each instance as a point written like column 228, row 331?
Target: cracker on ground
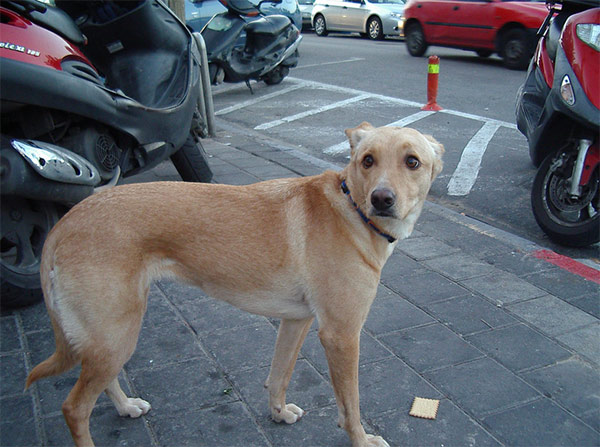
column 424, row 408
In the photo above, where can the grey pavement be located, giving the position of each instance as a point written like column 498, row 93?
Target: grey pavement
column 465, row 313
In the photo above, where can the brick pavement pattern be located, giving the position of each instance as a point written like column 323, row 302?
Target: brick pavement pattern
column 508, row 343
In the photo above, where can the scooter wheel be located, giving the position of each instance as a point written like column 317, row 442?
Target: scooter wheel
column 25, row 226
column 276, row 75
column 569, row 221
column 191, row 161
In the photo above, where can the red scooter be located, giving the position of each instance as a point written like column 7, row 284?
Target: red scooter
column 90, row 91
column 558, row 112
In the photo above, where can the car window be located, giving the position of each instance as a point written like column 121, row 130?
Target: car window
column 306, row 2
column 393, row 2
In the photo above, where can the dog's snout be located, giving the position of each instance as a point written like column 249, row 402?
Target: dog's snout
column 383, row 199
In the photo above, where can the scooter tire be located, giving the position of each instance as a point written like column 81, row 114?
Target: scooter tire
column 191, row 161
column 580, row 235
column 20, row 273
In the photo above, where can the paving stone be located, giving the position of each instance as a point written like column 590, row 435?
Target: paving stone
column 503, row 288
column 208, row 316
column 482, row 386
column 585, row 341
column 425, row 248
column 12, row 373
column 395, row 313
column 430, row 347
column 571, row 384
column 390, row 384
column 35, row 318
column 518, row 262
column 552, row 315
column 9, row 336
column 17, row 426
column 158, row 345
column 563, row 284
column 158, row 311
column 181, row 387
column 479, row 244
column 223, row 425
column 240, row 178
column 398, row 267
column 425, row 288
column 106, row 427
column 519, row 347
column 450, row 428
column 541, row 423
column 469, row 313
column 589, row 304
column 41, row 345
column 460, row 266
column 179, row 293
column 242, row 348
column 308, row 389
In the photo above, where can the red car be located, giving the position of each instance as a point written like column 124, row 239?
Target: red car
column 485, row 26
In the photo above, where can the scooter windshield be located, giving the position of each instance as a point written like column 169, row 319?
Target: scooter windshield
column 220, row 23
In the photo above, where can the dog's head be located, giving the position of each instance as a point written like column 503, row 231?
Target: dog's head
column 390, row 172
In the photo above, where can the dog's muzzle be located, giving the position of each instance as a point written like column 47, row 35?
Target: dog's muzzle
column 383, row 200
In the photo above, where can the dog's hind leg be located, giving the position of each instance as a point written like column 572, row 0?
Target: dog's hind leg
column 290, row 337
column 77, row 408
column 126, row 406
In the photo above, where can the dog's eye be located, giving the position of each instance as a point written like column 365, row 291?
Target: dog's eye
column 368, row 161
column 412, row 162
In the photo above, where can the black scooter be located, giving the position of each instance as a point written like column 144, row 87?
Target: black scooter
column 558, row 110
column 241, row 47
column 90, row 91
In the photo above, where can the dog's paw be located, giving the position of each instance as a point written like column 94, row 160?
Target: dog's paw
column 376, row 441
column 134, row 408
column 290, row 414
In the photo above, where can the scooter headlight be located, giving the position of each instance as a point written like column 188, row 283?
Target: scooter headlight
column 589, row 33
column 566, row 91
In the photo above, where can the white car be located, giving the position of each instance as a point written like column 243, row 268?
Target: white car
column 371, row 18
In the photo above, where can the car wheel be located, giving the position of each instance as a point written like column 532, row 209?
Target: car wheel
column 319, row 25
column 515, row 50
column 415, row 40
column 374, row 29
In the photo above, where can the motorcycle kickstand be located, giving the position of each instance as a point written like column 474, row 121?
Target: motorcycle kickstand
column 249, row 86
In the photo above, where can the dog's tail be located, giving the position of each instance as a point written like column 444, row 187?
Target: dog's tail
column 62, row 360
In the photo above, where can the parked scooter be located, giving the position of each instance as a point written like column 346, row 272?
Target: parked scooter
column 558, row 112
column 241, row 47
column 90, row 91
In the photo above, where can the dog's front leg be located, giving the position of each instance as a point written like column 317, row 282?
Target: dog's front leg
column 341, row 344
column 290, row 337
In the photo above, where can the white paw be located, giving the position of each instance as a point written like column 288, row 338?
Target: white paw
column 134, row 408
column 290, row 414
column 376, row 441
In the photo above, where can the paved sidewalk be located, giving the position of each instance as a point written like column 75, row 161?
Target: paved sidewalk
column 466, row 313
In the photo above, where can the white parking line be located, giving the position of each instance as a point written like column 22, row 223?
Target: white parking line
column 344, row 146
column 253, row 101
column 353, row 59
column 465, row 174
column 297, row 116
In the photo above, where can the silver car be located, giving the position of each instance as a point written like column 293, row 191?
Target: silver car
column 371, row 18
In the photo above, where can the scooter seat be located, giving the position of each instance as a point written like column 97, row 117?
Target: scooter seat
column 274, row 24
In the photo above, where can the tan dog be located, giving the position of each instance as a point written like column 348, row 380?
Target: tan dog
column 294, row 249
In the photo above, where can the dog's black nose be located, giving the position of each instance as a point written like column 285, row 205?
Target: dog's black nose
column 383, row 199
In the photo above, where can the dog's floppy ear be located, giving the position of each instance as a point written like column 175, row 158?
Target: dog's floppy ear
column 438, row 150
column 357, row 134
